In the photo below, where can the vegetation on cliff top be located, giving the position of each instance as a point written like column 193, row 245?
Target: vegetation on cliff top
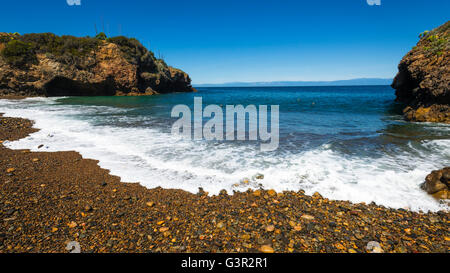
column 18, row 53
column 20, row 50
column 437, row 41
column 422, row 80
column 85, row 66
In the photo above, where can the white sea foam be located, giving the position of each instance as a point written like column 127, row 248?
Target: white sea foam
column 156, row 158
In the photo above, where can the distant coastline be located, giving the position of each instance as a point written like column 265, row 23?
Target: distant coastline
column 351, row 82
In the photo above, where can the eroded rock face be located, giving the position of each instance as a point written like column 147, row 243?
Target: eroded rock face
column 423, row 78
column 117, row 66
column 437, row 183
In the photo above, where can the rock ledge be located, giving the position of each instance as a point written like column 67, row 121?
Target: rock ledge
column 44, row 64
column 422, row 82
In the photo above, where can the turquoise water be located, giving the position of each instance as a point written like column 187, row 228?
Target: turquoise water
column 347, row 143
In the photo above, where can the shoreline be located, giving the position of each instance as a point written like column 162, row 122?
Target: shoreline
column 49, row 199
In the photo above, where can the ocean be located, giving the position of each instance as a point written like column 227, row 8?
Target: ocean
column 347, row 143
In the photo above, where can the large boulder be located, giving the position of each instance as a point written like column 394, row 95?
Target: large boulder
column 437, row 183
column 422, row 82
column 48, row 65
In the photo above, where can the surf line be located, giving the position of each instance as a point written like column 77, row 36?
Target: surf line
column 236, row 123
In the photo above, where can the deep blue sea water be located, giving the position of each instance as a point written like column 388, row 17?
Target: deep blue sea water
column 347, row 143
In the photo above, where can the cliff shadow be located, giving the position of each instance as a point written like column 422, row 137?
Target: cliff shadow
column 61, row 86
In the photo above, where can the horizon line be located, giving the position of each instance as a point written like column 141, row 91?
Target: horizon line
column 296, row 81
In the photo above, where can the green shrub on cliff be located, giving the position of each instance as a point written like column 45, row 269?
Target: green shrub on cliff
column 423, row 34
column 76, row 46
column 64, row 49
column 61, row 45
column 18, row 53
column 437, row 41
column 436, row 44
column 101, row 36
column 71, row 50
column 4, row 39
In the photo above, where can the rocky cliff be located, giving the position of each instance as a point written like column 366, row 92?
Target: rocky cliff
column 48, row 65
column 423, row 78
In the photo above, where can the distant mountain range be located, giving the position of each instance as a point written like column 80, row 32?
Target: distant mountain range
column 361, row 81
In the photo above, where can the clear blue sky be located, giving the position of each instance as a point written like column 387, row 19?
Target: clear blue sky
column 248, row 40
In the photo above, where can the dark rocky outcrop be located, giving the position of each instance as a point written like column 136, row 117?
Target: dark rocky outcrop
column 437, row 183
column 48, row 65
column 422, row 83
column 423, row 78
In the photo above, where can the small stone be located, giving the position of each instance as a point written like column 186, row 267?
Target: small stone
column 401, row 249
column 377, row 250
column 35, row 159
column 257, row 193
column 259, row 176
column 10, row 212
column 307, row 217
column 220, row 225
column 317, row 195
column 127, row 197
column 73, row 247
column 266, row 249
column 201, row 191
column 270, row 228
column 150, row 204
column 72, row 224
column 374, row 247
column 271, row 192
column 163, row 229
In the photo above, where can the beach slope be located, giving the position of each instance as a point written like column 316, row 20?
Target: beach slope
column 50, row 199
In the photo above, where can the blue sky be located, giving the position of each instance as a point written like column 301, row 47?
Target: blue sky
column 219, row 41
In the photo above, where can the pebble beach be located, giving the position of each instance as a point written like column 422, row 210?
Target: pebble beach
column 48, row 200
